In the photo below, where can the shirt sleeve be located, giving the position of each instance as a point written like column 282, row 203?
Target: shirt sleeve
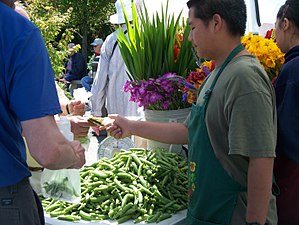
column 32, row 89
column 252, row 126
column 99, row 86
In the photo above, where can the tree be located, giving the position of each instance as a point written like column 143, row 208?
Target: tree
column 52, row 25
column 64, row 21
column 89, row 17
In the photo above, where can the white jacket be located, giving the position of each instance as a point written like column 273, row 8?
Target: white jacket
column 109, row 81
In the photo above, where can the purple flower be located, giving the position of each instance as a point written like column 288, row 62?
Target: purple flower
column 163, row 93
column 206, row 70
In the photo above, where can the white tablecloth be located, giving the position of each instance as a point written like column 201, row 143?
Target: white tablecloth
column 176, row 219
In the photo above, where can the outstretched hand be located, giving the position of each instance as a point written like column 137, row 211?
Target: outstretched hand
column 118, row 126
column 77, row 108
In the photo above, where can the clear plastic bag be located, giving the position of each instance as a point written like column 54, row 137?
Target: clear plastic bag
column 61, row 184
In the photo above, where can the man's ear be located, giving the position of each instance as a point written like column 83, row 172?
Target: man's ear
column 217, row 22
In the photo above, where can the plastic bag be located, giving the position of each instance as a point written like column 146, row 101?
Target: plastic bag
column 61, row 184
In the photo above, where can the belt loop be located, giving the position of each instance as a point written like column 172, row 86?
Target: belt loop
column 14, row 189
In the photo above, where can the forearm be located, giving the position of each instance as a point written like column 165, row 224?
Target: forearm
column 63, row 100
column 170, row 133
column 259, row 189
column 47, row 145
column 65, row 109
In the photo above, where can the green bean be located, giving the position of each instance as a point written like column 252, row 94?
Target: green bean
column 71, row 207
column 126, row 198
column 56, row 213
column 153, row 218
column 69, row 217
column 163, row 217
column 139, row 170
column 100, row 174
column 140, row 197
column 125, row 176
column 137, row 184
column 124, row 219
column 129, row 160
column 85, row 216
column 106, row 165
column 136, row 159
column 120, row 186
column 99, row 199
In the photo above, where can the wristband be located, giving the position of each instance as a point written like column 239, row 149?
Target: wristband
column 67, row 109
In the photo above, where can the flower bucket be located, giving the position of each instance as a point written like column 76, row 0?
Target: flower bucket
column 166, row 116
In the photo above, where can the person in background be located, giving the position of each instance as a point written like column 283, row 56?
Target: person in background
column 28, row 104
column 74, row 110
column 94, row 61
column 75, row 66
column 286, row 166
column 230, row 131
column 107, row 88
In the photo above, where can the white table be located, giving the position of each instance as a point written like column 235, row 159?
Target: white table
column 176, row 219
column 91, row 157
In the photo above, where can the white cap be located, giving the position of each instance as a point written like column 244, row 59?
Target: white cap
column 119, row 17
column 97, row 41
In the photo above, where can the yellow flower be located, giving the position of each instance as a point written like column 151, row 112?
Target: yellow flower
column 192, row 166
column 266, row 51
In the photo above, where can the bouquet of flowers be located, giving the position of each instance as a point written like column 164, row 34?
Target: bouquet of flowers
column 169, row 91
column 195, row 80
column 266, row 51
column 158, row 56
column 162, row 93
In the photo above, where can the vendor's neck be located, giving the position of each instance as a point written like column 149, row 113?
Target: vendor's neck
column 225, row 48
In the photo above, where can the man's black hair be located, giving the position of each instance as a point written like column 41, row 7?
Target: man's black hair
column 232, row 11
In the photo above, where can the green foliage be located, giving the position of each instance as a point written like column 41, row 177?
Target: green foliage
column 65, row 21
column 148, row 51
column 52, row 26
column 89, row 18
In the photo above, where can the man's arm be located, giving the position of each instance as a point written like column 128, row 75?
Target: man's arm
column 259, row 189
column 49, row 147
column 169, row 133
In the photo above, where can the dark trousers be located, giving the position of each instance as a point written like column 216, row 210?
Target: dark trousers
column 286, row 173
column 19, row 205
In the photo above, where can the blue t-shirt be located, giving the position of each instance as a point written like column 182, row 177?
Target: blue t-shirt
column 27, row 89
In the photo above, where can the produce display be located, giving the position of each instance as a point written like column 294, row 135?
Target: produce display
column 138, row 185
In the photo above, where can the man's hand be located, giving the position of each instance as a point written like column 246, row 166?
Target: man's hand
column 79, row 127
column 118, row 126
column 80, row 154
column 77, row 108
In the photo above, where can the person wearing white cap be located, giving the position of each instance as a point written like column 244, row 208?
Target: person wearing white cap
column 111, row 75
column 94, row 61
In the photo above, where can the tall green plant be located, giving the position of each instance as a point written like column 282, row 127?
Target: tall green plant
column 148, row 51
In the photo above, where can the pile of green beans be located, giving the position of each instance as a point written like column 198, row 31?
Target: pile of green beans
column 138, row 184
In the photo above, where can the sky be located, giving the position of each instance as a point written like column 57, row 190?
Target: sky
column 267, row 8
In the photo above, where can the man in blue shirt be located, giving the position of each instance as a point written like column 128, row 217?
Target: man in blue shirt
column 75, row 66
column 28, row 101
